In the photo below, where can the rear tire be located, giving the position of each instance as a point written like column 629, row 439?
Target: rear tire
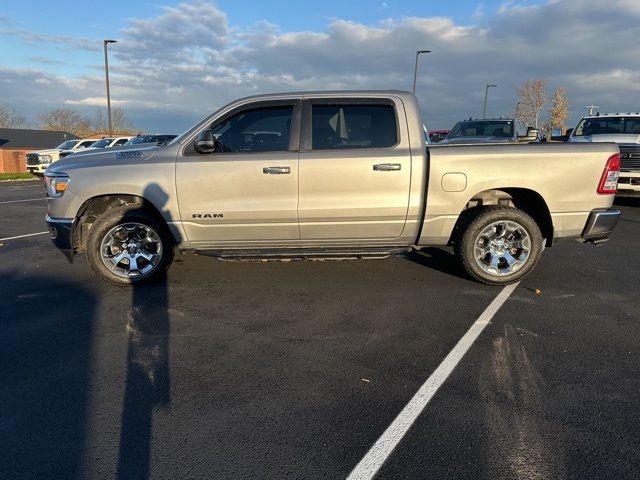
column 499, row 245
column 129, row 245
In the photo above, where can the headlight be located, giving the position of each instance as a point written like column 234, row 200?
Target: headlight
column 56, row 184
column 44, row 158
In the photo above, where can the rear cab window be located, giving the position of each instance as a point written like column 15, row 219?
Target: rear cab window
column 347, row 125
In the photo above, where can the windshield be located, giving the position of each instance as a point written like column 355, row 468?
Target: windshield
column 482, row 128
column 607, row 125
column 68, row 145
column 105, row 142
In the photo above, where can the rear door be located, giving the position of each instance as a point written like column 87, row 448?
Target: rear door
column 355, row 170
column 247, row 191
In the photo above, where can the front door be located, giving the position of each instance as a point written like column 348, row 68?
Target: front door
column 246, row 191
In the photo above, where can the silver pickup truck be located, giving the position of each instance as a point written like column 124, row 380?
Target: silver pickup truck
column 327, row 174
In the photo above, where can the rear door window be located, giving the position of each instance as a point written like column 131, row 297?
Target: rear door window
column 353, row 126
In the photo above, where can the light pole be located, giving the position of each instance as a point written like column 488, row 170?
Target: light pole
column 415, row 70
column 486, row 92
column 518, row 109
column 106, row 71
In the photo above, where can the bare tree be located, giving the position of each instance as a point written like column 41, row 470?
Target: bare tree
column 99, row 122
column 66, row 120
column 120, row 123
column 531, row 100
column 9, row 118
column 559, row 111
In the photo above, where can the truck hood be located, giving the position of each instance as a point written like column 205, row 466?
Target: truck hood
column 102, row 158
column 469, row 140
column 611, row 137
column 51, row 151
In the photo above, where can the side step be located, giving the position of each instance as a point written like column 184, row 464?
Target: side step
column 304, row 254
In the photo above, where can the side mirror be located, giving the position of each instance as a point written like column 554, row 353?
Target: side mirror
column 531, row 136
column 204, row 142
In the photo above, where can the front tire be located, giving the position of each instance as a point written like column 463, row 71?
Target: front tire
column 128, row 245
column 499, row 245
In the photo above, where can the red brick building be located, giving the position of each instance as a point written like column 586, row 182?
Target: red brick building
column 15, row 143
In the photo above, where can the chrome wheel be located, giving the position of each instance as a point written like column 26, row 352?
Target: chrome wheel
column 131, row 250
column 502, row 248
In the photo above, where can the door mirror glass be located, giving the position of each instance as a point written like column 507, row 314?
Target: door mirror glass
column 204, row 142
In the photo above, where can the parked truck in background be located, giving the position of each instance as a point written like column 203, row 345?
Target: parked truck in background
column 624, row 130
column 327, row 174
column 38, row 162
column 490, row 130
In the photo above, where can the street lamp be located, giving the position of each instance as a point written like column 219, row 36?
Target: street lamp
column 415, row 70
column 486, row 91
column 106, row 71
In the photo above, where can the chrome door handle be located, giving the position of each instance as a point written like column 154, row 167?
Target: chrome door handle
column 387, row 167
column 276, row 170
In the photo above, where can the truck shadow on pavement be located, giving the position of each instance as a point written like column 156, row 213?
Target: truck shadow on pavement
column 627, row 201
column 45, row 356
column 148, row 377
column 437, row 259
column 148, row 373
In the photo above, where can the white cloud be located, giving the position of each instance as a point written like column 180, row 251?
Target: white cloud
column 95, row 102
column 171, row 69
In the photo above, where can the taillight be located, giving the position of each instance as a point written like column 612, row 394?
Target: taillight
column 609, row 181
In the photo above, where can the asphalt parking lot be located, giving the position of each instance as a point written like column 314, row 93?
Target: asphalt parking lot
column 295, row 370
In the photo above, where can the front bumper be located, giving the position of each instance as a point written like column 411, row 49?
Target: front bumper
column 599, row 225
column 628, row 184
column 61, row 233
column 37, row 169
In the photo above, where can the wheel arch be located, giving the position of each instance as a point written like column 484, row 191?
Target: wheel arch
column 95, row 206
column 525, row 199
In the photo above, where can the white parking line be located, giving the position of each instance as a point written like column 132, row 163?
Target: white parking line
column 384, row 446
column 27, row 200
column 23, row 236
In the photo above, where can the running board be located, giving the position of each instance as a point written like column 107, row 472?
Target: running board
column 304, row 254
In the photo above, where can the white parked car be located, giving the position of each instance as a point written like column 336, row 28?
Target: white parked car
column 106, row 142
column 37, row 162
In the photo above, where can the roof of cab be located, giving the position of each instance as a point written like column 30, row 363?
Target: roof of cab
column 329, row 93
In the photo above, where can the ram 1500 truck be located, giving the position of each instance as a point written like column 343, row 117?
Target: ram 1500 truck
column 327, row 174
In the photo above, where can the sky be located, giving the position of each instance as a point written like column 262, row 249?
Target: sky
column 176, row 62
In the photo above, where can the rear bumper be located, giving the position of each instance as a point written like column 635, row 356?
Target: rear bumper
column 599, row 225
column 61, row 231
